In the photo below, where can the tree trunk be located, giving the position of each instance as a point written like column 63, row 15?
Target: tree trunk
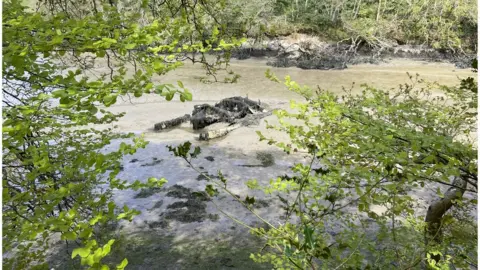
column 438, row 208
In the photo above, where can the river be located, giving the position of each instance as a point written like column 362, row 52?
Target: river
column 142, row 113
column 172, row 233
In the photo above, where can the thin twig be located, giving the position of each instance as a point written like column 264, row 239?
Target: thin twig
column 304, row 181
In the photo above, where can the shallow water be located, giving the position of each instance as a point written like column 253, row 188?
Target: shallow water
column 142, row 113
column 164, row 248
column 242, row 144
column 254, row 83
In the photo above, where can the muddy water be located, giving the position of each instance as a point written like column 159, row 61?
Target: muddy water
column 158, row 242
column 254, row 84
column 142, row 113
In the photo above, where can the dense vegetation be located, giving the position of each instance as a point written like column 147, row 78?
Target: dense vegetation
column 373, row 153
column 445, row 24
column 52, row 92
column 372, row 157
column 375, row 149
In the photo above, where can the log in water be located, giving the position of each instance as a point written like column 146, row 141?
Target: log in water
column 171, row 123
column 235, row 110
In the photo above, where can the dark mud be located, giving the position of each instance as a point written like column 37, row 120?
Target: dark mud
column 158, row 224
column 338, row 57
column 261, row 204
column 205, row 176
column 266, row 159
column 182, row 192
column 154, row 162
column 157, row 205
column 147, row 192
column 194, row 209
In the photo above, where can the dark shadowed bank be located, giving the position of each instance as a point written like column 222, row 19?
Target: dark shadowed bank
column 308, row 54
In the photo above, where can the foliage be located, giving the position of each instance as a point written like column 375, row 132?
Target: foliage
column 377, row 151
column 444, row 24
column 58, row 178
column 372, row 157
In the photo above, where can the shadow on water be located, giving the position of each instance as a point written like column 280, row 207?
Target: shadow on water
column 178, row 228
column 154, row 250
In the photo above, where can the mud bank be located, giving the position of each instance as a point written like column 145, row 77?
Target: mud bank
column 309, row 52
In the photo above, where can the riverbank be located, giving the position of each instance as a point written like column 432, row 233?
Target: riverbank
column 310, row 52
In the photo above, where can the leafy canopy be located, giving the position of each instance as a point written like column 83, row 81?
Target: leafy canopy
column 371, row 158
column 58, row 177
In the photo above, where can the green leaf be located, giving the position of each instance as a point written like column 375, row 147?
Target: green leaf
column 149, row 86
column 109, row 40
column 309, row 238
column 249, row 200
column 215, row 32
column 180, row 84
column 196, row 152
column 81, row 251
column 123, row 264
column 169, row 95
column 43, row 266
column 109, row 99
column 158, row 65
column 87, row 260
column 253, row 184
column 130, row 46
column 96, row 219
column 100, row 53
column 59, row 93
column 187, row 95
column 57, row 39
column 93, row 110
column 107, row 247
column 372, row 215
column 69, row 236
column 211, row 190
column 260, row 135
column 86, row 233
